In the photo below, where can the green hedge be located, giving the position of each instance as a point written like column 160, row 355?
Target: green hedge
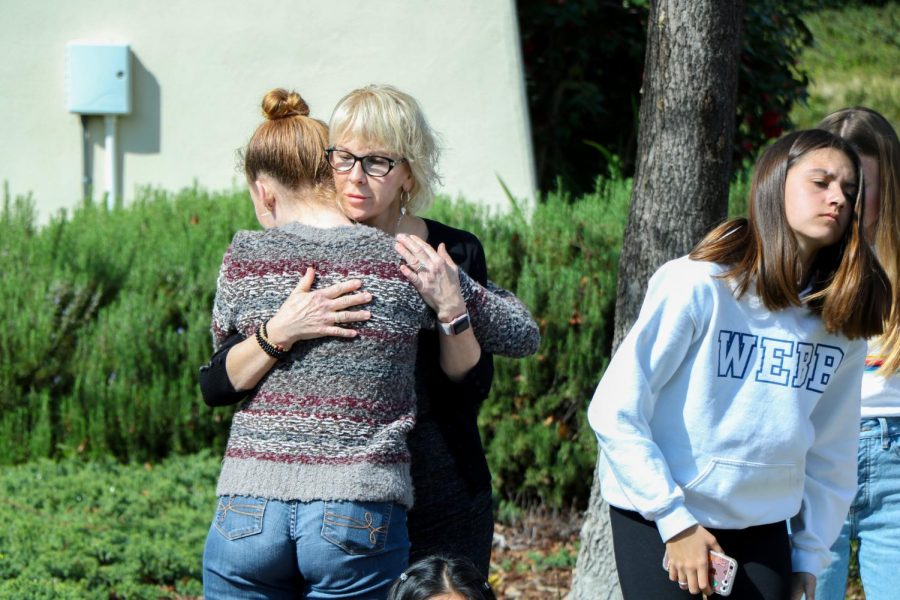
column 106, row 320
column 107, row 315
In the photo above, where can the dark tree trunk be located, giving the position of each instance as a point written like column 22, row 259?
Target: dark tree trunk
column 680, row 189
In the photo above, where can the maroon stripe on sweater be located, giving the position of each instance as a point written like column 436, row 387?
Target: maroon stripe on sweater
column 219, row 332
column 238, row 269
column 308, row 459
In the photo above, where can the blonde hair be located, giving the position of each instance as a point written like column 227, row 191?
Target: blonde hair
column 383, row 116
column 872, row 135
column 289, row 145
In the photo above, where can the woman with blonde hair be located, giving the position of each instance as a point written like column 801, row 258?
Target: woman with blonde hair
column 453, row 513
column 315, row 326
column 874, row 518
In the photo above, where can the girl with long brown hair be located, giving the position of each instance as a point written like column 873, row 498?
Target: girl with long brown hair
column 730, row 406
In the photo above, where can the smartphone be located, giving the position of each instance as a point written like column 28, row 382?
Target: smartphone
column 721, row 573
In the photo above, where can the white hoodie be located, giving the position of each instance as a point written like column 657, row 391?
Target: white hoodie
column 719, row 412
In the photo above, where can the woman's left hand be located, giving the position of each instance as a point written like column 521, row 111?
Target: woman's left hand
column 434, row 275
column 803, row 583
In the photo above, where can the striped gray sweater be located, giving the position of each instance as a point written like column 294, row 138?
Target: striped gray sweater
column 330, row 422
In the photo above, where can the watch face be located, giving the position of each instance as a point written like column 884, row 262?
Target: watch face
column 460, row 324
column 456, row 326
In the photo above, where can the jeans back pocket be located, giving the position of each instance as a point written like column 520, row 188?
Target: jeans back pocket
column 239, row 516
column 357, row 527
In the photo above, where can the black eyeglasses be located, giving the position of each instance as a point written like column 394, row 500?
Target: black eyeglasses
column 374, row 166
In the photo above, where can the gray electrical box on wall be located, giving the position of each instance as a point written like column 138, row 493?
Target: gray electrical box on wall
column 98, row 78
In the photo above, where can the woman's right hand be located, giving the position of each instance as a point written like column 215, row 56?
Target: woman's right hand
column 434, row 275
column 307, row 315
column 688, row 554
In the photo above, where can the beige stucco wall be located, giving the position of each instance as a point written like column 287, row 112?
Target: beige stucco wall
column 200, row 68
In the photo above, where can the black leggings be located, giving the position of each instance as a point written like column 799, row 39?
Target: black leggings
column 763, row 554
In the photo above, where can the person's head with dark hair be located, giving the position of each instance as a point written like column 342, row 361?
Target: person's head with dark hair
column 804, row 233
column 441, row 578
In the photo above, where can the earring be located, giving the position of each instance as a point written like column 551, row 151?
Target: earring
column 404, row 201
column 261, row 215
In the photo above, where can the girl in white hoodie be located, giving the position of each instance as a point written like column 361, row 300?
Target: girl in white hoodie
column 731, row 405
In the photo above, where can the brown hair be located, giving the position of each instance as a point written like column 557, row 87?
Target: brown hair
column 289, row 145
column 850, row 291
column 872, row 135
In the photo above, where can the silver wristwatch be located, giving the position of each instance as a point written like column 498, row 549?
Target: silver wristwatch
column 456, row 326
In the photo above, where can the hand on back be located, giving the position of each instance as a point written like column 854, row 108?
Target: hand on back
column 307, row 315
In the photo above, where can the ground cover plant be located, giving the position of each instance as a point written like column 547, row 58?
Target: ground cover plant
column 99, row 529
column 561, row 261
column 84, row 295
column 107, row 317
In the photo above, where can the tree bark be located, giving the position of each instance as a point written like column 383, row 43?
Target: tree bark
column 680, row 190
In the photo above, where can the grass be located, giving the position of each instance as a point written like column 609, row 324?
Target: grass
column 855, row 61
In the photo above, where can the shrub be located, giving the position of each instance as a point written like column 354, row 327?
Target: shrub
column 107, row 320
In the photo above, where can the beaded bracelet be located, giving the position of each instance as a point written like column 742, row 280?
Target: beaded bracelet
column 265, row 333
column 273, row 350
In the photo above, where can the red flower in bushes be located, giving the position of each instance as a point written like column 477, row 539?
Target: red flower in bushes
column 771, row 124
column 747, row 147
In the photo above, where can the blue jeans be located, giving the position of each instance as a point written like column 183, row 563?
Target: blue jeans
column 874, row 518
column 258, row 548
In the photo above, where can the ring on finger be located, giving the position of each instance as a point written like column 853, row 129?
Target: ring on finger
column 682, row 584
column 420, row 267
column 338, row 318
